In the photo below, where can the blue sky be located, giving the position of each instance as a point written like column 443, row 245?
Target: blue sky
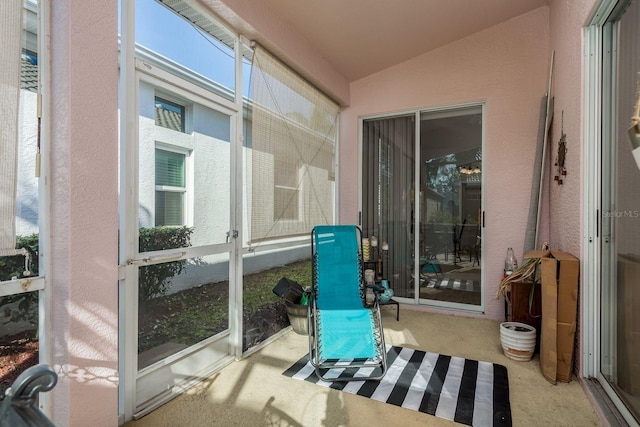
column 163, row 31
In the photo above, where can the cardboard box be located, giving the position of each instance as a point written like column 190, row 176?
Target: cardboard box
column 560, row 274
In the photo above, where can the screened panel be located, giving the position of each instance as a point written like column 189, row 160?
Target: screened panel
column 293, row 138
column 192, row 41
column 265, row 313
column 18, row 336
column 184, row 178
column 181, row 303
column 10, row 66
column 19, row 204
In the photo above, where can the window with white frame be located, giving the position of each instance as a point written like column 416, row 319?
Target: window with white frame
column 171, row 187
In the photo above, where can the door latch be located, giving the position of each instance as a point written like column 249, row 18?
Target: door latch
column 232, row 234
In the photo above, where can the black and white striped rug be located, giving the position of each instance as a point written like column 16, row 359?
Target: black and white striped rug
column 466, row 391
column 455, row 284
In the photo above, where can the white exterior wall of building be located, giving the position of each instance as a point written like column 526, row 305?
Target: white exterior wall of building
column 27, row 190
column 207, row 174
column 206, row 143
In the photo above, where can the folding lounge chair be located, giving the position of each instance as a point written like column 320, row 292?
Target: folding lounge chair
column 20, row 405
column 346, row 341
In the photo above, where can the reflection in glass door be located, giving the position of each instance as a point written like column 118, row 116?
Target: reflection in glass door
column 450, row 238
column 428, row 224
column 620, row 240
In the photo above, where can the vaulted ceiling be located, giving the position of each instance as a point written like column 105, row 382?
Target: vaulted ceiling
column 361, row 37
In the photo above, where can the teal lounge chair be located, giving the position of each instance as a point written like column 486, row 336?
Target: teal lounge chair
column 346, row 341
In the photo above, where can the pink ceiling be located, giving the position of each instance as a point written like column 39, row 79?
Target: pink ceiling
column 361, row 37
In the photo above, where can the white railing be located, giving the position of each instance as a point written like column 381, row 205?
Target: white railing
column 21, row 286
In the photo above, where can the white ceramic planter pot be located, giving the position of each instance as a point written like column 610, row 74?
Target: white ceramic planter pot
column 518, row 340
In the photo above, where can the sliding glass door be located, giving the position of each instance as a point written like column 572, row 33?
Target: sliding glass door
column 422, row 200
column 619, row 357
column 451, row 206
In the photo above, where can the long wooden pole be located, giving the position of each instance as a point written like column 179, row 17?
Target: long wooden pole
column 547, row 121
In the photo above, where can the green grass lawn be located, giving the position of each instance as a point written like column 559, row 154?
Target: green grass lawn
column 187, row 317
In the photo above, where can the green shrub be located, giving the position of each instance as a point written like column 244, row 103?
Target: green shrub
column 14, row 266
column 154, row 280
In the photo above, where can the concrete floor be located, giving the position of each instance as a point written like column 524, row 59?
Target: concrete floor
column 253, row 391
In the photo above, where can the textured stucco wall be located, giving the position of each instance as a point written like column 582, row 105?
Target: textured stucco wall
column 506, row 67
column 83, row 275
column 567, row 20
column 567, row 228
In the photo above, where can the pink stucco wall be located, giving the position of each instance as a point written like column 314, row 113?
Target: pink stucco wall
column 83, row 275
column 255, row 21
column 506, row 67
column 568, row 18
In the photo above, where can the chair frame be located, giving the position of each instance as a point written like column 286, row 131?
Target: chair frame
column 312, row 320
column 20, row 405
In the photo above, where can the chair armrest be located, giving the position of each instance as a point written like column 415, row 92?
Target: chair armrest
column 308, row 294
column 376, row 287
